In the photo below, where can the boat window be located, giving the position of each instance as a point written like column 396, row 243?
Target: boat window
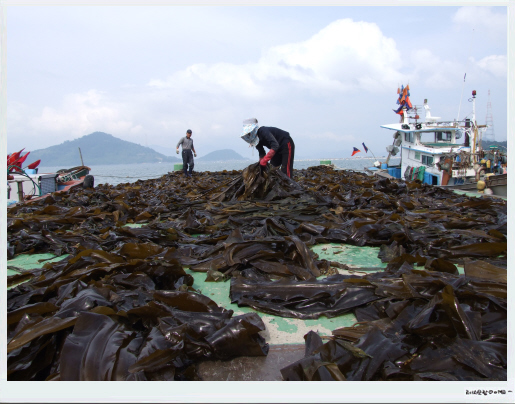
column 436, row 137
column 409, row 137
column 443, row 136
column 427, row 137
column 427, row 160
column 417, row 155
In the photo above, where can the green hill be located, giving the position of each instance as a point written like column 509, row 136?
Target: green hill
column 486, row 144
column 97, row 148
column 222, row 155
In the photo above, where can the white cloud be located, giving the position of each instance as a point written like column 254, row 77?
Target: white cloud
column 433, row 71
column 482, row 19
column 221, row 77
column 348, row 54
column 345, row 55
column 496, row 65
column 80, row 114
column 329, row 137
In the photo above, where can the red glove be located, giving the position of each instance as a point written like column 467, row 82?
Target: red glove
column 267, row 158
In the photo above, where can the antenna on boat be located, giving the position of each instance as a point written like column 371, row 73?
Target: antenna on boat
column 462, row 88
column 82, row 162
column 466, row 65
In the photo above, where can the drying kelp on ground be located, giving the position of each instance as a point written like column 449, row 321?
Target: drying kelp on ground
column 124, row 291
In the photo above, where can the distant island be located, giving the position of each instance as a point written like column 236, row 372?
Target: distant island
column 98, row 148
column 167, row 151
column 485, row 144
column 222, row 155
column 217, row 155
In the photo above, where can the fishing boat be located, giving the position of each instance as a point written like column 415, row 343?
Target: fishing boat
column 442, row 153
column 25, row 184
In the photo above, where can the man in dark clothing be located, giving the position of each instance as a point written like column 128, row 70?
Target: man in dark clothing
column 187, row 155
column 282, row 148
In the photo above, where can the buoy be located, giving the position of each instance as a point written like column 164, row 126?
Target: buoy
column 481, row 185
column 488, row 191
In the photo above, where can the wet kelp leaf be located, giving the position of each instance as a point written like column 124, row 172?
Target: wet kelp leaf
column 159, row 351
column 94, row 350
column 36, row 308
column 239, row 337
column 375, row 349
column 444, row 316
column 313, row 343
column 90, row 352
column 376, row 356
column 187, row 301
column 18, row 278
column 255, row 226
column 362, row 361
column 330, row 297
column 420, row 339
column 441, row 265
column 485, row 270
column 477, row 250
column 461, row 359
column 312, row 369
column 257, row 182
column 85, row 300
column 43, row 327
column 29, row 362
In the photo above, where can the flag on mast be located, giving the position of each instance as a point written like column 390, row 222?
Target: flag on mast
column 365, row 147
column 355, row 151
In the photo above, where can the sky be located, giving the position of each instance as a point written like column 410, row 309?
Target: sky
column 327, row 75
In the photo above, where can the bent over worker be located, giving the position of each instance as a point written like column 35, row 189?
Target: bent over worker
column 187, row 156
column 279, row 142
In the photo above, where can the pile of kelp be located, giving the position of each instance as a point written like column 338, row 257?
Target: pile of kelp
column 120, row 306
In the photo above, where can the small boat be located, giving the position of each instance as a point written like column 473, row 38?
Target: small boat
column 442, row 153
column 24, row 184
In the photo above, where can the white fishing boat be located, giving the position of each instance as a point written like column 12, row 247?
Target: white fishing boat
column 442, row 153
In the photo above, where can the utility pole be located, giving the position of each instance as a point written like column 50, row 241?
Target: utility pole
column 489, row 121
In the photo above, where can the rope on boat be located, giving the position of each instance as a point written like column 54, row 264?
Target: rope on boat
column 21, row 172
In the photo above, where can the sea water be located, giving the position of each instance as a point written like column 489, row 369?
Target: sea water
column 114, row 174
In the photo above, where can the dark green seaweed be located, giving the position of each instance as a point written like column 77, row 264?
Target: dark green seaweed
column 120, row 306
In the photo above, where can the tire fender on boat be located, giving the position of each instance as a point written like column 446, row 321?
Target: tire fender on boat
column 89, row 181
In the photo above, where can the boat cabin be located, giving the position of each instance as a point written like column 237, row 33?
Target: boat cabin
column 425, row 148
column 433, row 150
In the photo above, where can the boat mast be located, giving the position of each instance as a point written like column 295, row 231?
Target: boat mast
column 474, row 123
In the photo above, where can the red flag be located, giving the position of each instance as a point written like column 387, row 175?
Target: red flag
column 21, row 160
column 34, row 165
column 355, row 151
column 13, row 157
